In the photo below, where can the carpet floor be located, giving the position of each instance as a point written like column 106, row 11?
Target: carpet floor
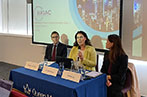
column 5, row 69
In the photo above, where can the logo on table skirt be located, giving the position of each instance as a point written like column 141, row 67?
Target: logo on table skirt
column 34, row 92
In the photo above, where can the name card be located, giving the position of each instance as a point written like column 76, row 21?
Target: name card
column 50, row 70
column 32, row 66
column 71, row 76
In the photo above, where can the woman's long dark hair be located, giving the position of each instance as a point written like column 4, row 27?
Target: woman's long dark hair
column 116, row 50
column 87, row 42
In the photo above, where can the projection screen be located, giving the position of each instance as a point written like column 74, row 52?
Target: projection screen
column 98, row 18
column 134, row 34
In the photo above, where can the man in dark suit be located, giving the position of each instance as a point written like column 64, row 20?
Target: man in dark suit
column 55, row 49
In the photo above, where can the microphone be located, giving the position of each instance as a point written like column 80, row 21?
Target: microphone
column 79, row 48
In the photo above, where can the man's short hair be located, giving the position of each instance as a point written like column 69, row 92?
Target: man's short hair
column 54, row 32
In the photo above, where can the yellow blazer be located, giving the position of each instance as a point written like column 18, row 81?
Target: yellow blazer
column 89, row 60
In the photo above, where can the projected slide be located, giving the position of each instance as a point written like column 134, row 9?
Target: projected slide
column 135, row 29
column 98, row 18
column 101, row 18
column 137, row 32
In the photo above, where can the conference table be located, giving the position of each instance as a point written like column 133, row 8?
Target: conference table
column 37, row 84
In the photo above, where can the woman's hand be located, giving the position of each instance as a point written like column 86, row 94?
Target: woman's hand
column 80, row 55
column 108, row 77
column 108, row 83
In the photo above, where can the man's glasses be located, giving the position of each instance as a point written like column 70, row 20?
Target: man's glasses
column 55, row 36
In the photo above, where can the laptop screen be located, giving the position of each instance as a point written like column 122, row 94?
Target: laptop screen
column 66, row 61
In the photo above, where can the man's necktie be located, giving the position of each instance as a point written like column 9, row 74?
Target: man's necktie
column 54, row 53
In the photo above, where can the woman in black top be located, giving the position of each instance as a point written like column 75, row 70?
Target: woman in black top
column 115, row 65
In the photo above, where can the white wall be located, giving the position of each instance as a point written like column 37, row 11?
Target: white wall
column 17, row 50
column 141, row 69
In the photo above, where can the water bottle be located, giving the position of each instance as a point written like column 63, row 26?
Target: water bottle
column 72, row 66
column 45, row 63
column 82, row 72
column 61, row 68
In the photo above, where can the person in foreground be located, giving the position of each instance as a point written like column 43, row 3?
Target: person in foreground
column 55, row 49
column 83, row 51
column 115, row 65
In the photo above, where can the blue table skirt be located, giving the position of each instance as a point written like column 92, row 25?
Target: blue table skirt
column 34, row 83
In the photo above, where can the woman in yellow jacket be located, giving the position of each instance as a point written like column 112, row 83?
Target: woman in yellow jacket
column 83, row 51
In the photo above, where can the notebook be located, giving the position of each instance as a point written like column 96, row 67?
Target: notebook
column 93, row 74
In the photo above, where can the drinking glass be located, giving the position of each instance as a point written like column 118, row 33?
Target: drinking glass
column 61, row 68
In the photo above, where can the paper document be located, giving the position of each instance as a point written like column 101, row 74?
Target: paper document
column 5, row 88
column 93, row 74
column 47, row 62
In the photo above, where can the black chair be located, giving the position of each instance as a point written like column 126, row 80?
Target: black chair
column 96, row 67
column 127, row 85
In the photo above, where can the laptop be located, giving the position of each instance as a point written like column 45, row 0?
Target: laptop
column 5, row 87
column 66, row 61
